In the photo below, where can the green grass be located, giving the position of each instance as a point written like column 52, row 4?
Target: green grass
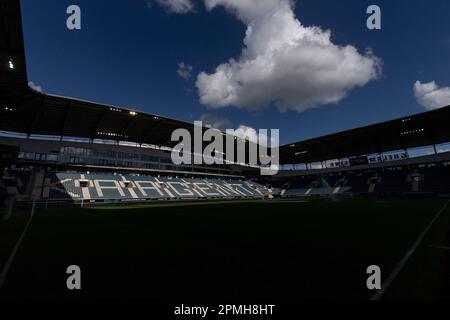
column 227, row 250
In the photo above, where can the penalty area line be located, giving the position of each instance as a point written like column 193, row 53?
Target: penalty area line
column 393, row 275
column 10, row 260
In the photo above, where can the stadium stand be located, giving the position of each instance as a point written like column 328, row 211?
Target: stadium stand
column 107, row 185
column 359, row 182
column 434, row 179
column 76, row 186
column 421, row 179
column 53, row 147
column 394, row 181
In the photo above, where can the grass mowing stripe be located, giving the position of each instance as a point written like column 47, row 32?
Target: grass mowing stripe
column 14, row 252
column 393, row 275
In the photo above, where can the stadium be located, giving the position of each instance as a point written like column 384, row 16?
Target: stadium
column 94, row 185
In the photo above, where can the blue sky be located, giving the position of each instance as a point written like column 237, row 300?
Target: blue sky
column 127, row 54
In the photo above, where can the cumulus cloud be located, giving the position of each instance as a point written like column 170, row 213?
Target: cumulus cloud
column 283, row 62
column 248, row 133
column 34, row 86
column 174, row 6
column 243, row 131
column 431, row 96
column 213, row 121
column 185, row 70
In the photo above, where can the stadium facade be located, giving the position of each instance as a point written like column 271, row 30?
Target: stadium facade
column 58, row 148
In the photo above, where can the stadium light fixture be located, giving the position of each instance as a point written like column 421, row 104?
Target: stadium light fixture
column 133, row 113
column 412, row 131
column 11, row 64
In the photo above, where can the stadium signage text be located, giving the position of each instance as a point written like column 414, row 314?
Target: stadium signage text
column 237, row 149
column 80, row 186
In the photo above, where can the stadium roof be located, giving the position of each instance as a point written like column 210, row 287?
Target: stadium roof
column 424, row 129
column 25, row 110
column 28, row 111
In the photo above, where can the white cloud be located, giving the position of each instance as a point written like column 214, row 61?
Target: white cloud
column 184, row 70
column 243, row 131
column 431, row 96
column 250, row 134
column 34, row 86
column 216, row 122
column 283, row 62
column 174, row 6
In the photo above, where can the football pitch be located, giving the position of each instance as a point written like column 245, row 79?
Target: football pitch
column 253, row 250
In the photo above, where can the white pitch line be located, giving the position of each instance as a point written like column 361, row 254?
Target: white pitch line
column 379, row 294
column 10, row 260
